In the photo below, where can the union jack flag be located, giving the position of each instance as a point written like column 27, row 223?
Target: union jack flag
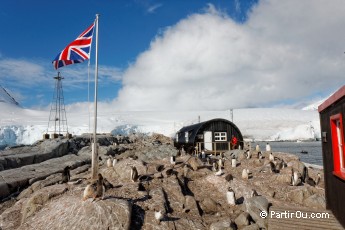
column 77, row 51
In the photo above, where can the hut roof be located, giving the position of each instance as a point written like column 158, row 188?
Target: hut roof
column 332, row 99
column 194, row 129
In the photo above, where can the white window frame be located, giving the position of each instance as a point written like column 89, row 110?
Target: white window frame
column 220, row 136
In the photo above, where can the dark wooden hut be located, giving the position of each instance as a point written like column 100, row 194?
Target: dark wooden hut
column 332, row 113
column 210, row 136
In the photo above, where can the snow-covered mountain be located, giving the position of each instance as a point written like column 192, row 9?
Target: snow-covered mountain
column 25, row 126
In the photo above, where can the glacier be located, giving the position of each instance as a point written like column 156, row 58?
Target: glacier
column 26, row 126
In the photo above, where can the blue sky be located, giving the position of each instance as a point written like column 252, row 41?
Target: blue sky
column 37, row 31
column 157, row 55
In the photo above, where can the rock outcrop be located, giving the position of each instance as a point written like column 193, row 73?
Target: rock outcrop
column 187, row 194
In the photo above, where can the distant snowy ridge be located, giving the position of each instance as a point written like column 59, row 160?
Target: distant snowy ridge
column 314, row 106
column 26, row 126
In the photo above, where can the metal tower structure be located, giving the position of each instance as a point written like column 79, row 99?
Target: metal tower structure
column 57, row 119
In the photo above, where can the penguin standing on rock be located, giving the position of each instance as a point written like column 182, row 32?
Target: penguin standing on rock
column 66, row 175
column 109, row 162
column 114, row 162
column 253, row 193
column 214, row 166
column 95, row 189
column 318, row 178
column 134, row 174
column 159, row 216
column 271, row 157
column 220, row 172
column 257, row 148
column 245, row 174
column 296, row 178
column 230, row 196
column 172, row 160
column 220, row 163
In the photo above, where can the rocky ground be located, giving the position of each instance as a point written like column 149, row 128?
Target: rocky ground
column 188, row 193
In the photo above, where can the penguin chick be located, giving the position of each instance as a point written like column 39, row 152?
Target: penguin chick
column 95, row 189
column 230, row 196
column 134, row 173
column 100, row 189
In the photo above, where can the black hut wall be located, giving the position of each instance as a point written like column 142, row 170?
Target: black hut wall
column 215, row 125
column 334, row 186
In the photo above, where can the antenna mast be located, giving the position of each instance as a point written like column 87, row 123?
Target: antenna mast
column 57, row 124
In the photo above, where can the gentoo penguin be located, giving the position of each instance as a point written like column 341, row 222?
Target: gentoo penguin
column 268, row 147
column 185, row 171
column 114, row 162
column 257, row 148
column 220, row 163
column 245, row 174
column 271, row 157
column 172, row 160
column 249, row 154
column 208, row 161
column 95, row 190
column 272, row 167
column 66, row 175
column 134, row 174
column 220, row 172
column 109, row 162
column 158, row 216
column 296, row 178
column 318, row 178
column 260, row 156
column 230, row 196
column 307, row 179
column 214, row 166
column 203, row 155
column 253, row 193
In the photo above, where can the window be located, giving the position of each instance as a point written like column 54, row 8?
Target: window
column 337, row 132
column 186, row 136
column 219, row 136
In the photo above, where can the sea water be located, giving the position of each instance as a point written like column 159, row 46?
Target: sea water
column 312, row 149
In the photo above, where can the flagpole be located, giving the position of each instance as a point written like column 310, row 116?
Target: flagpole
column 94, row 164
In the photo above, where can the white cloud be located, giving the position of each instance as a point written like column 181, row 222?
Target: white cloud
column 286, row 52
column 28, row 73
column 152, row 9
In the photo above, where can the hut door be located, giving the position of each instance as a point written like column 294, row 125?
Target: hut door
column 208, row 140
column 338, row 143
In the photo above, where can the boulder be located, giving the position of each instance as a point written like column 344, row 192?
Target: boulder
column 223, row 225
column 254, row 206
column 315, row 201
column 242, row 219
column 190, row 206
column 209, row 206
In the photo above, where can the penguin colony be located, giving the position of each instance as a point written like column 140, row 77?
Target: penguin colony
column 97, row 188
